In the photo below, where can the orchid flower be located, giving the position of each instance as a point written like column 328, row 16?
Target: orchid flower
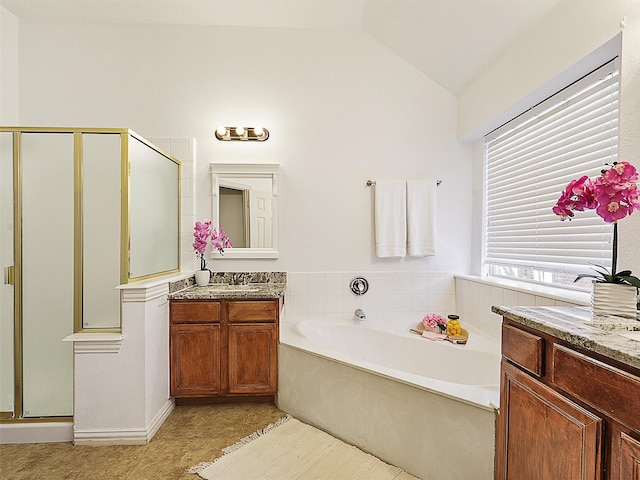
column 614, row 194
column 202, row 231
column 220, row 240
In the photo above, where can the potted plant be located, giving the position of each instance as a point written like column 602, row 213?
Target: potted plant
column 202, row 232
column 614, row 194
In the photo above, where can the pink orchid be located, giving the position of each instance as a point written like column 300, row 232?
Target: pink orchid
column 614, row 194
column 633, row 198
column 220, row 240
column 612, row 208
column 202, row 231
column 579, row 195
column 621, row 173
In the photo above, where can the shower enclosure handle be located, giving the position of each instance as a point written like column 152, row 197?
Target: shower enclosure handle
column 10, row 275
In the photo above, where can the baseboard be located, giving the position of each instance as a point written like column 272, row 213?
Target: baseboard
column 159, row 419
column 225, row 399
column 34, row 432
column 122, row 436
column 116, row 436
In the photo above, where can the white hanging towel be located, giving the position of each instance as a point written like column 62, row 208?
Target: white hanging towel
column 421, row 217
column 391, row 218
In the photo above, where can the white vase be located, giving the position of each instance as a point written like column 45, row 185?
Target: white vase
column 614, row 299
column 203, row 277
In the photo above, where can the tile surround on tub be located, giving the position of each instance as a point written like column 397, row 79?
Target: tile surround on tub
column 476, row 296
column 390, row 293
column 396, row 294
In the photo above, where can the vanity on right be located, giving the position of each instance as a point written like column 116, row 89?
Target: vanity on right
column 570, row 395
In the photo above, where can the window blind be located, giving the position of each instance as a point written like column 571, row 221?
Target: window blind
column 531, row 159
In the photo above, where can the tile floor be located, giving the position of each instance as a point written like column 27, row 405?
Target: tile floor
column 191, row 434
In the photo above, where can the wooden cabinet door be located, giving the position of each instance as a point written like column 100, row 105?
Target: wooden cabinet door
column 543, row 435
column 195, row 359
column 629, row 458
column 253, row 358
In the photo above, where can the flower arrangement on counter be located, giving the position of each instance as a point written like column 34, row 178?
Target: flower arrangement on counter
column 614, row 194
column 202, row 232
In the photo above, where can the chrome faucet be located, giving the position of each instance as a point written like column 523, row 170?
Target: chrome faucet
column 360, row 315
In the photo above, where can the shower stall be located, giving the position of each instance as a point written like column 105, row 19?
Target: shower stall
column 82, row 211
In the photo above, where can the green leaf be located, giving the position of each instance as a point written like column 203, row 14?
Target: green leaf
column 586, row 275
column 600, row 266
column 602, row 272
column 631, row 280
column 624, row 273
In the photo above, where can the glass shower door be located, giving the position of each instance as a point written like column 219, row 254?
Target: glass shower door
column 7, row 389
column 47, row 267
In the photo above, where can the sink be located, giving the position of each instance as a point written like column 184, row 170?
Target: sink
column 632, row 335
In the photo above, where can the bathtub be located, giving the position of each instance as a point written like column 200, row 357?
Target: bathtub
column 393, row 393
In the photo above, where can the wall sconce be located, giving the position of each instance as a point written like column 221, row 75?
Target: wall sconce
column 227, row 134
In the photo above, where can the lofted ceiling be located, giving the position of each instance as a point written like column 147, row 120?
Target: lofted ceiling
column 450, row 41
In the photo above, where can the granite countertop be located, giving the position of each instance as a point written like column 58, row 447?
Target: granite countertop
column 213, row 291
column 579, row 327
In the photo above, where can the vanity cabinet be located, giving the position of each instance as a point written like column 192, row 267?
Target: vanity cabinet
column 195, row 348
column 565, row 413
column 223, row 349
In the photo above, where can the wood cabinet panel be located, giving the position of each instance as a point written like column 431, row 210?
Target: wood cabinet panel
column 252, row 358
column 544, row 435
column 524, row 349
column 224, row 348
column 195, row 359
column 577, row 419
column 194, row 312
column 629, row 458
column 253, row 311
column 601, row 386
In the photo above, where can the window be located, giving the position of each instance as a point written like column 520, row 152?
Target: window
column 529, row 162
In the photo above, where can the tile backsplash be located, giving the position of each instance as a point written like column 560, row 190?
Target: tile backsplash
column 394, row 295
column 475, row 297
column 390, row 294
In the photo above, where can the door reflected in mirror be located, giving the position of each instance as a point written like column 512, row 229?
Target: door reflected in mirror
column 245, row 205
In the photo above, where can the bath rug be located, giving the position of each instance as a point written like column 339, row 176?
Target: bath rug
column 292, row 450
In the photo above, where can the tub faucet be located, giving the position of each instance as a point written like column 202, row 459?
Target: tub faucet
column 360, row 315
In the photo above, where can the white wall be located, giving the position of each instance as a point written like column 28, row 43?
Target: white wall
column 340, row 108
column 525, row 72
column 8, row 67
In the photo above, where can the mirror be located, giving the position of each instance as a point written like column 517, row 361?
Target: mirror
column 154, row 211
column 244, row 202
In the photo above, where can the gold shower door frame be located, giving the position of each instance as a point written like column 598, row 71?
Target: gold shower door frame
column 15, row 271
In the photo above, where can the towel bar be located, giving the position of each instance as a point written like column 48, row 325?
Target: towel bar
column 373, row 182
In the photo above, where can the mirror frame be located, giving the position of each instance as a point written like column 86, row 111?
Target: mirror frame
column 220, row 172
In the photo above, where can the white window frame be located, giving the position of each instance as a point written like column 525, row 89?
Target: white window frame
column 545, row 257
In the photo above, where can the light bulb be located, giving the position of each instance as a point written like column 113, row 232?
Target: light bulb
column 259, row 131
column 239, row 131
column 221, row 131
